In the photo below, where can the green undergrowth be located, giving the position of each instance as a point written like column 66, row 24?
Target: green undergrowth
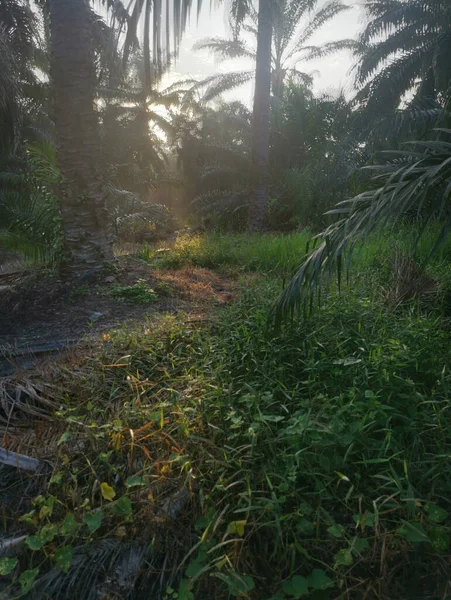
column 280, row 256
column 244, row 251
column 139, row 293
column 221, row 460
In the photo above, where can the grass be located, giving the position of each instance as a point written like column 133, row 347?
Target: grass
column 246, row 252
column 223, row 460
column 139, row 293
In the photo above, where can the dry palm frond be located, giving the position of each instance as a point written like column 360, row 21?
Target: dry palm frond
column 410, row 282
column 23, row 400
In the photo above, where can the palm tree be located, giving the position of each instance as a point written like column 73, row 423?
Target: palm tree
column 258, row 205
column 133, row 127
column 82, row 194
column 281, row 44
column 294, row 24
column 83, row 199
column 213, row 147
column 404, row 48
column 19, row 86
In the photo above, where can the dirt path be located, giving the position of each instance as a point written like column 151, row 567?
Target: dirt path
column 41, row 314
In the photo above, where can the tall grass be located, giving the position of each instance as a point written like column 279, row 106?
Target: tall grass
column 243, row 251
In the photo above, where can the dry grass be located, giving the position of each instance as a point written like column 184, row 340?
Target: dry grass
column 410, row 281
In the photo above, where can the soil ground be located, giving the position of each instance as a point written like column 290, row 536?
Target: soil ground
column 38, row 308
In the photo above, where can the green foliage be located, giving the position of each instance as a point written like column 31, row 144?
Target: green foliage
column 152, row 222
column 29, row 211
column 403, row 49
column 241, row 251
column 313, row 156
column 214, row 153
column 139, row 293
column 7, row 565
column 414, row 182
column 312, row 448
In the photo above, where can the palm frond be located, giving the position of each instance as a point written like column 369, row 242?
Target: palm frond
column 225, row 49
column 320, row 18
column 327, row 49
column 224, row 82
column 403, row 50
column 418, row 178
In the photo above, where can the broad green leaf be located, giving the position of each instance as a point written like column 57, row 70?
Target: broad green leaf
column 435, row 513
column 296, row 587
column 201, row 523
column 70, row 526
column 107, row 491
column 64, row 438
column 93, row 520
column 48, row 532
column 318, row 580
column 344, row 558
column 185, row 590
column 305, row 526
column 194, row 568
column 7, row 565
column 439, row 538
column 27, row 578
column 244, row 584
column 63, row 558
column 30, row 518
column 134, row 481
column 47, row 508
column 358, row 544
column 367, row 519
column 123, row 507
column 413, row 532
column 34, row 542
column 337, row 531
column 236, row 528
column 240, row 585
column 57, row 478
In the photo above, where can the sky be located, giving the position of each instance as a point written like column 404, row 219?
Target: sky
column 333, row 72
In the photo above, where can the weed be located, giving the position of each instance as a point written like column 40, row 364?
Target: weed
column 222, row 459
column 249, row 252
column 164, row 289
column 78, row 291
column 139, row 293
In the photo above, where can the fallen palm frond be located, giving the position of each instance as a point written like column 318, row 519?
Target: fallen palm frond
column 23, row 401
column 14, row 459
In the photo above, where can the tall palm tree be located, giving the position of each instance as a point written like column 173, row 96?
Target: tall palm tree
column 294, row 24
column 83, row 199
column 82, row 194
column 258, row 205
column 283, row 30
column 134, row 125
column 404, row 48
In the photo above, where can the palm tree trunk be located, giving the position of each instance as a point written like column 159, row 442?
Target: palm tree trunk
column 82, row 194
column 260, row 122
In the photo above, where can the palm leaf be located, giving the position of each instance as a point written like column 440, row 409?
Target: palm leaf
column 406, row 180
column 224, row 82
